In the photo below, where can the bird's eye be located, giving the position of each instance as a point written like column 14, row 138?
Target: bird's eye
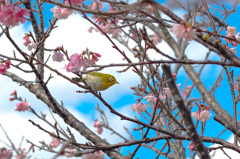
column 111, row 79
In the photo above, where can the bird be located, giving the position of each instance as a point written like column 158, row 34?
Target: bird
column 98, row 81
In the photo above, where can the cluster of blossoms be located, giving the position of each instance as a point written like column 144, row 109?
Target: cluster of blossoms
column 139, row 107
column 13, row 14
column 54, row 143
column 202, row 114
column 98, row 125
column 22, row 106
column 61, row 13
column 232, row 32
column 4, row 66
column 95, row 155
column 83, row 60
column 28, row 43
column 4, row 153
column 184, row 30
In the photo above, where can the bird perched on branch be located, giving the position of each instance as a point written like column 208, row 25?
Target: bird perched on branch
column 98, row 81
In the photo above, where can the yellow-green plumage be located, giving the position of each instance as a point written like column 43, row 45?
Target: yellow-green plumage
column 100, row 81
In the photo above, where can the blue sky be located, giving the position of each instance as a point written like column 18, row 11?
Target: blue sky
column 76, row 39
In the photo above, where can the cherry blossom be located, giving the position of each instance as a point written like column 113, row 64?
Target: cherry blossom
column 61, row 13
column 12, row 15
column 231, row 31
column 26, row 40
column 22, row 106
column 203, row 114
column 75, row 63
column 191, row 146
column 57, row 56
column 139, row 107
column 54, row 143
column 150, row 98
column 95, row 155
column 31, row 46
column 4, row 66
column 4, row 153
column 183, row 31
column 98, row 125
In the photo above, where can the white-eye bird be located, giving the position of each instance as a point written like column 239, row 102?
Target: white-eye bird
column 99, row 81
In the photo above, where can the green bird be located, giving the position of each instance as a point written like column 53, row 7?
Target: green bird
column 99, row 81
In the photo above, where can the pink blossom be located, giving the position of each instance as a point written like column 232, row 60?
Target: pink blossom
column 191, row 146
column 12, row 15
column 183, row 31
column 12, row 99
column 4, row 153
column 95, row 57
column 54, row 143
column 31, row 46
column 156, row 39
column 97, row 124
column 57, row 56
column 75, row 63
column 4, row 66
column 97, row 5
column 231, row 31
column 139, row 107
column 61, row 13
column 13, row 93
column 90, row 30
column 94, row 155
column 70, row 152
column 22, row 106
column 7, row 64
column 149, row 9
column 203, row 115
column 150, row 98
column 26, row 40
column 168, row 91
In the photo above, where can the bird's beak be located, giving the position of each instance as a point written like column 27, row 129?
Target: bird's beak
column 117, row 82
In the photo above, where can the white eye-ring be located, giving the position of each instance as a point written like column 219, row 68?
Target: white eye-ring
column 111, row 79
